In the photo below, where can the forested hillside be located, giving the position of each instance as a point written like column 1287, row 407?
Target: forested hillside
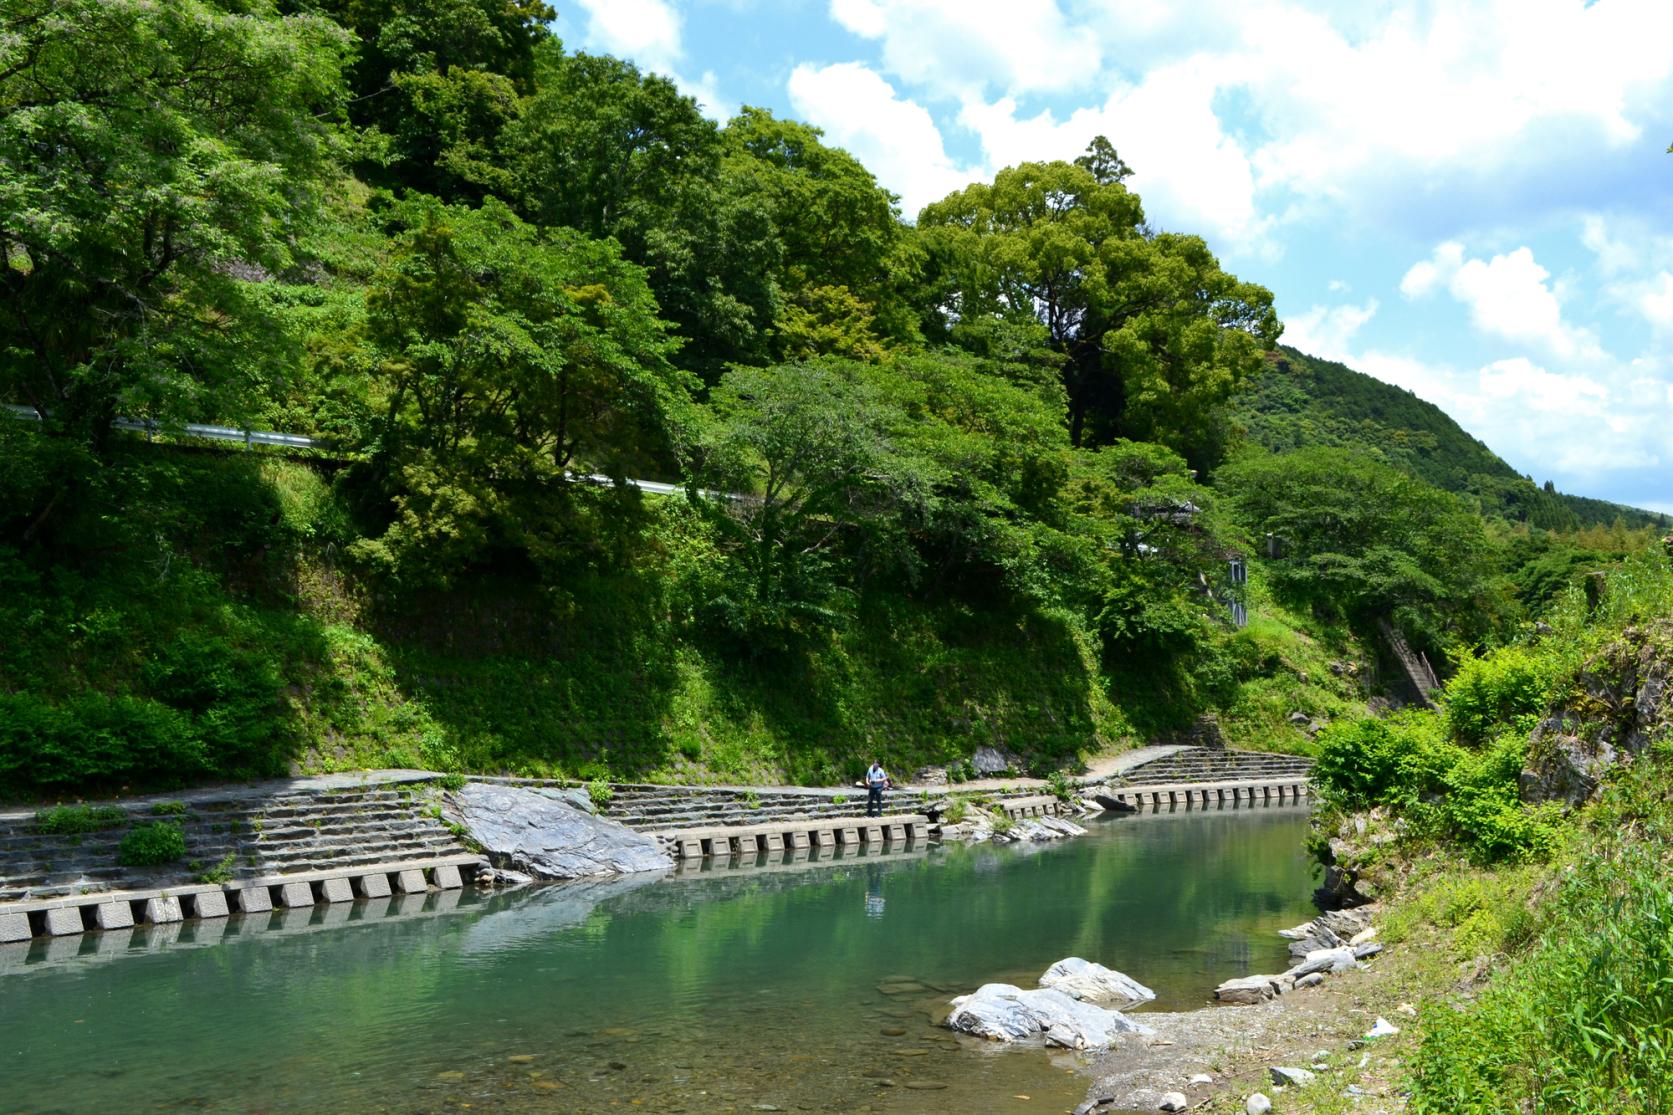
column 947, row 473
column 1299, row 400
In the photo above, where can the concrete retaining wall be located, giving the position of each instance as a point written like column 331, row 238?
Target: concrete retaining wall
column 111, row 910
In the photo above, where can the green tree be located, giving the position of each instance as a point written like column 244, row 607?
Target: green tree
column 155, row 158
column 509, row 355
column 805, row 449
column 1154, row 335
column 613, row 152
column 1366, row 541
column 438, row 82
column 841, row 232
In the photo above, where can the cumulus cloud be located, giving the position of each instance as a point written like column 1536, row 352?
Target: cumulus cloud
column 1309, row 105
column 647, row 31
column 1576, row 429
column 895, row 137
column 1508, row 296
column 959, row 47
column 1328, row 332
column 1192, row 174
column 1656, row 301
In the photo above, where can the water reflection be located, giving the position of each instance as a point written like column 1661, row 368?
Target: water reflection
column 723, row 987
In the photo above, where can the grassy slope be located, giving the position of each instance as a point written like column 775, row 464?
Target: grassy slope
column 228, row 567
column 1302, row 400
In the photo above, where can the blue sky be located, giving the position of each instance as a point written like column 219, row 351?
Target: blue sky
column 1472, row 200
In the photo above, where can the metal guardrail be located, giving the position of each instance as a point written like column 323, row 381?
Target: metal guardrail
column 193, row 429
column 298, row 441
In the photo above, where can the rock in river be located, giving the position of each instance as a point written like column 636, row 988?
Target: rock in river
column 542, row 833
column 1001, row 1012
column 1082, row 979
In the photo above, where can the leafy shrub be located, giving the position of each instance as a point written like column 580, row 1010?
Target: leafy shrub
column 956, row 811
column 152, row 845
column 94, row 739
column 222, row 871
column 601, row 794
column 1446, row 792
column 1496, row 692
column 1370, row 762
column 1062, row 786
column 67, row 820
column 168, row 809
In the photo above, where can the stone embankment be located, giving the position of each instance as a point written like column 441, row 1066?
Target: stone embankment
column 338, row 838
column 246, row 851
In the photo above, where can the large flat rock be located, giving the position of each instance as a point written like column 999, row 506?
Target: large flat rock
column 542, row 833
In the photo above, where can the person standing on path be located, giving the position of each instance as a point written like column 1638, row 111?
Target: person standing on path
column 877, row 780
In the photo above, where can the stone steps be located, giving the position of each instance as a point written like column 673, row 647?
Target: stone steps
column 1198, row 764
column 283, row 832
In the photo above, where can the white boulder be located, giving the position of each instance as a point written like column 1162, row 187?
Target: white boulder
column 1090, row 982
column 1004, row 1013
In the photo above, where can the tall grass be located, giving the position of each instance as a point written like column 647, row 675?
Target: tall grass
column 1584, row 1021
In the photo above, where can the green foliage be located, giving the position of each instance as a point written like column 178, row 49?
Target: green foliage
column 1061, row 784
column 1298, row 400
column 222, row 872
column 68, row 820
column 452, row 783
column 1364, row 540
column 806, row 444
column 154, row 155
column 1580, row 1022
column 1487, row 693
column 956, row 811
column 153, row 845
column 1154, row 336
column 507, row 356
column 168, row 809
column 601, row 793
column 1444, row 792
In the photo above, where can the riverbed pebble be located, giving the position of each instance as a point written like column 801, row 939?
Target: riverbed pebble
column 1287, row 1075
column 1201, row 1078
column 1257, row 1104
column 1173, row 1101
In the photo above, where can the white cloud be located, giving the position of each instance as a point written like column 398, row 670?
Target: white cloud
column 1339, row 286
column 1426, row 274
column 896, row 138
column 1192, row 174
column 1520, row 380
column 1328, row 332
column 706, row 92
column 1655, row 301
column 1577, row 429
column 1508, row 296
column 958, row 48
column 1613, row 255
column 646, row 31
column 1372, row 109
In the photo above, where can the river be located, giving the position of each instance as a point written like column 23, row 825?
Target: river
column 789, row 987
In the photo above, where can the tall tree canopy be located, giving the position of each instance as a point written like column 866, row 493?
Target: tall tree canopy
column 438, row 81
column 610, row 151
column 1155, row 335
column 508, row 356
column 155, row 158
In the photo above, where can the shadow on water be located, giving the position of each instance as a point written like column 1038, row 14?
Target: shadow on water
column 790, row 985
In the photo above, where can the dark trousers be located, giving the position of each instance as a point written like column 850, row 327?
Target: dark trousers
column 874, row 801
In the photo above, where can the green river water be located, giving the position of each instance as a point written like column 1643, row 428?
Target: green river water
column 741, row 989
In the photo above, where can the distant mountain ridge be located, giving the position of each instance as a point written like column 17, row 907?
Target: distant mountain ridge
column 1302, row 400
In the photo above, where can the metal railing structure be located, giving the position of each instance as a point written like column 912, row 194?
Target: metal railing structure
column 249, row 438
